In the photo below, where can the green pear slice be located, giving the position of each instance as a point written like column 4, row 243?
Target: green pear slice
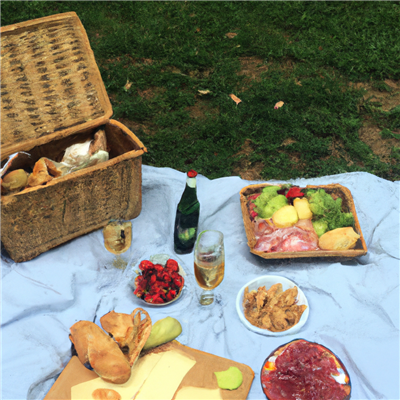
column 230, row 379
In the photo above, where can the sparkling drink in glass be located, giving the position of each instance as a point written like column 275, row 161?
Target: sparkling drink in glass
column 209, row 263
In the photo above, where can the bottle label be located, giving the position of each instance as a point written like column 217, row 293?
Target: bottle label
column 187, row 234
column 191, row 182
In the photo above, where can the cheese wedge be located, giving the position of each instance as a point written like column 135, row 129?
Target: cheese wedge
column 195, row 393
column 140, row 371
column 165, row 378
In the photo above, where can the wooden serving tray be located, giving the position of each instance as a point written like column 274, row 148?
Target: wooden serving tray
column 201, row 375
column 335, row 190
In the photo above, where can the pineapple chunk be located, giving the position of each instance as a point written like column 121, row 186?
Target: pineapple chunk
column 285, row 217
column 303, row 208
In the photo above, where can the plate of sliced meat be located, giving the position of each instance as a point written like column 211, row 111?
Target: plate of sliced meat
column 304, row 370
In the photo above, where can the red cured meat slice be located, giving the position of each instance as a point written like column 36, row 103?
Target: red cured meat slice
column 301, row 237
column 298, row 240
column 270, row 242
column 261, row 227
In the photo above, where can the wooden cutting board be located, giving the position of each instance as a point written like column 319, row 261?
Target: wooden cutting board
column 201, row 375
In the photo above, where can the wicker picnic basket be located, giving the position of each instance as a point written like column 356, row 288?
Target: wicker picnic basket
column 52, row 96
column 335, row 190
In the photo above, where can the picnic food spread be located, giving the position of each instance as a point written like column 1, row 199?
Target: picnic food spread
column 133, row 358
column 288, row 218
column 130, row 363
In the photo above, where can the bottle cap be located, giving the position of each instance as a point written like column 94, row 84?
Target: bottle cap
column 192, row 173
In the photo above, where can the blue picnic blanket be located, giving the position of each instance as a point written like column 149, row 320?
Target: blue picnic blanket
column 354, row 305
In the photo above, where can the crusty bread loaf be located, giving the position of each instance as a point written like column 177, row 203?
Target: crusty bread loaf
column 129, row 330
column 93, row 345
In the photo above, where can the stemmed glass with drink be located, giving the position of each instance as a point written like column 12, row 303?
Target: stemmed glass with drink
column 209, row 263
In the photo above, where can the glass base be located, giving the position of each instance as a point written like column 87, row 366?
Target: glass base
column 206, row 298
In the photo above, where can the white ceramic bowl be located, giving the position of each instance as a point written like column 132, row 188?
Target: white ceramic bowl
column 162, row 259
column 268, row 281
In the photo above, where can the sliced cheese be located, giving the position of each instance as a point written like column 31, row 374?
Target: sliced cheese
column 196, row 393
column 140, row 371
column 166, row 377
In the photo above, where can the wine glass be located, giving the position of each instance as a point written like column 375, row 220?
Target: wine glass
column 209, row 263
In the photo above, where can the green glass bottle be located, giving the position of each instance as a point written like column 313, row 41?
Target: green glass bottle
column 187, row 217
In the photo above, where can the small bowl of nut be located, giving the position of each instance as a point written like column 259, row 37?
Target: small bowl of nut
column 272, row 305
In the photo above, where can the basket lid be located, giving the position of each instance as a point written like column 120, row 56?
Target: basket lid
column 50, row 83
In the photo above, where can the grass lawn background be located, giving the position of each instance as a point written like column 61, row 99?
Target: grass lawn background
column 169, row 68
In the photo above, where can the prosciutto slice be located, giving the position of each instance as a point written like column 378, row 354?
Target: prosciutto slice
column 300, row 237
column 261, row 227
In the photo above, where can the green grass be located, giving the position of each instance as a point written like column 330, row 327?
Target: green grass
column 175, row 49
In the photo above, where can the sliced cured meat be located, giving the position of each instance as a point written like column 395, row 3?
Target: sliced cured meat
column 298, row 240
column 261, row 227
column 269, row 242
column 304, row 370
column 300, row 237
column 306, row 225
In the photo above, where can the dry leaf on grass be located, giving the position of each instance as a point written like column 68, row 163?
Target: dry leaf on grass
column 204, row 91
column 279, row 104
column 230, row 35
column 235, row 99
column 127, row 85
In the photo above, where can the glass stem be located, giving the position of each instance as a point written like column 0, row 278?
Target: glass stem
column 207, row 297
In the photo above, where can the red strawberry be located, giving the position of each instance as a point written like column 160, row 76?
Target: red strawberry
column 145, row 264
column 138, row 292
column 178, row 281
column 172, row 265
column 171, row 295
